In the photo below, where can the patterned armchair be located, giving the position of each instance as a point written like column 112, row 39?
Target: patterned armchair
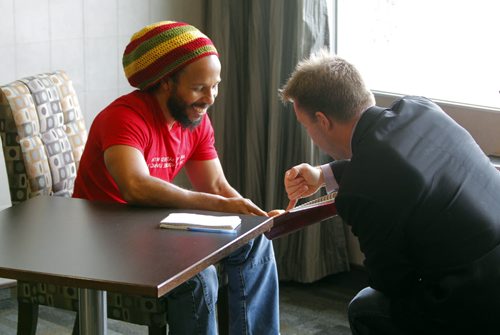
column 43, row 135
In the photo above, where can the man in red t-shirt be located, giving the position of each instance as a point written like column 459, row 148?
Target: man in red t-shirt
column 138, row 144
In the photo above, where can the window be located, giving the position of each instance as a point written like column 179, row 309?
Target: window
column 446, row 50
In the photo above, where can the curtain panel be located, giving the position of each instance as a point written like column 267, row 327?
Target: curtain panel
column 257, row 137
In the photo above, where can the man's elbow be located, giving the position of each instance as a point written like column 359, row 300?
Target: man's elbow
column 133, row 192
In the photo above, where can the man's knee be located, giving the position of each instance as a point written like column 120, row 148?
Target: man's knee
column 259, row 250
column 367, row 301
column 369, row 312
column 263, row 249
column 209, row 279
column 205, row 287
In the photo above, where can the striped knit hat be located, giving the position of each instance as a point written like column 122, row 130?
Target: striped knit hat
column 161, row 49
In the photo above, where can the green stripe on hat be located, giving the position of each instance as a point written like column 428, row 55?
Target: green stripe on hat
column 153, row 42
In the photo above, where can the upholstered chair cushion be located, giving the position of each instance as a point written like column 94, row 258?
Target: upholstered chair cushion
column 73, row 117
column 20, row 129
column 44, row 133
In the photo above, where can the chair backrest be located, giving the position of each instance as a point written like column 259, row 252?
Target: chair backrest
column 43, row 134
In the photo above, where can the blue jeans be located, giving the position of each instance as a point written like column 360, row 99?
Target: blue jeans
column 253, row 295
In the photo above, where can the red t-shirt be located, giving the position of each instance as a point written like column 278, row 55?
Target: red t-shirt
column 136, row 120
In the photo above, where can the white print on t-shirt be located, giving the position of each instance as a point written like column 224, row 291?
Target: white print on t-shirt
column 166, row 162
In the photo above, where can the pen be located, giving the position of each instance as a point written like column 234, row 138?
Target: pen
column 209, row 230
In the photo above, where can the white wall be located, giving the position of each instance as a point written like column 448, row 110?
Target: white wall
column 4, row 185
column 84, row 37
column 4, row 202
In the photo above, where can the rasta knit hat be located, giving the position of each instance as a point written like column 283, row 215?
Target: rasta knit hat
column 161, row 49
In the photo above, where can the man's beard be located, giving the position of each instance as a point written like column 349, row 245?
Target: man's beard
column 178, row 110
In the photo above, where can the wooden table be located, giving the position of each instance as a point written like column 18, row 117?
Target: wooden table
column 99, row 247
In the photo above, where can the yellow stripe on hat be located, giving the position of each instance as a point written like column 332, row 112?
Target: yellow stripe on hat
column 161, row 49
column 147, row 29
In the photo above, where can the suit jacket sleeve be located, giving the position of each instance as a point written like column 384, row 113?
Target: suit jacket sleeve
column 338, row 168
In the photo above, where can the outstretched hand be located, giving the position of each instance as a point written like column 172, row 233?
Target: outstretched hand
column 243, row 206
column 275, row 212
column 301, row 181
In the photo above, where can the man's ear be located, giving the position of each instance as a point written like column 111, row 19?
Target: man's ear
column 324, row 120
column 166, row 84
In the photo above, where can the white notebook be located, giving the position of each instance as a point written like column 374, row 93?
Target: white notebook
column 199, row 222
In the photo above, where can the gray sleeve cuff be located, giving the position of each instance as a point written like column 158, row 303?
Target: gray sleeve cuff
column 330, row 181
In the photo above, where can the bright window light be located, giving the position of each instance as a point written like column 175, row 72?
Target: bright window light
column 446, row 50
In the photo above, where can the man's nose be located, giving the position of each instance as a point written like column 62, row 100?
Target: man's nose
column 209, row 97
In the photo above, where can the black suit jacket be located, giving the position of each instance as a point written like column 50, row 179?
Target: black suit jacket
column 424, row 201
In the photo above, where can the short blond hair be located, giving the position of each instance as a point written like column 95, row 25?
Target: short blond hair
column 327, row 83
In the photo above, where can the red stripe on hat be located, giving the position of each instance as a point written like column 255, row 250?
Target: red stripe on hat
column 157, row 30
column 161, row 63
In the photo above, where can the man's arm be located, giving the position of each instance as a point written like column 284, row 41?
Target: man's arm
column 338, row 167
column 129, row 170
column 208, row 176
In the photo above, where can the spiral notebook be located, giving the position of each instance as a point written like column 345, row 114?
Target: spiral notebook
column 302, row 216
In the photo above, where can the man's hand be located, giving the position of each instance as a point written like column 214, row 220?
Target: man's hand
column 241, row 205
column 302, row 181
column 275, row 212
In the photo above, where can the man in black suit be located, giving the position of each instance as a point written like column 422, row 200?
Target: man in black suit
column 420, row 195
